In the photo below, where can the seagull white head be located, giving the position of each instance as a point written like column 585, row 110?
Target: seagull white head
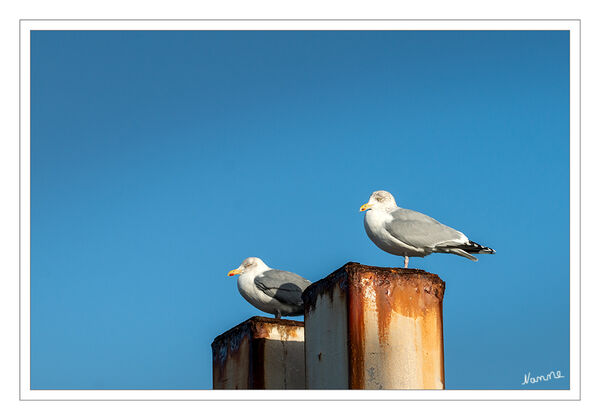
column 380, row 200
column 249, row 264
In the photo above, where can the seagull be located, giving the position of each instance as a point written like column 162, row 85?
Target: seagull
column 273, row 291
column 409, row 233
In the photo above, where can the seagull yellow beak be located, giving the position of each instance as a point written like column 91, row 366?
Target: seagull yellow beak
column 366, row 206
column 234, row 272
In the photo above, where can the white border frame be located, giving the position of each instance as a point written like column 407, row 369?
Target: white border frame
column 574, row 26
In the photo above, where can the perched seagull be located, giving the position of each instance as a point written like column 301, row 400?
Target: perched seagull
column 409, row 233
column 273, row 291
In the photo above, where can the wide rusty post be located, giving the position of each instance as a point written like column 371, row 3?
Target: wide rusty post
column 374, row 328
column 260, row 353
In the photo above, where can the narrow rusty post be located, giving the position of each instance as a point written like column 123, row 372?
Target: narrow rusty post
column 260, row 353
column 374, row 328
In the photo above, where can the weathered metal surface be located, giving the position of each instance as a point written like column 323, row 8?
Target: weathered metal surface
column 260, row 353
column 326, row 344
column 392, row 334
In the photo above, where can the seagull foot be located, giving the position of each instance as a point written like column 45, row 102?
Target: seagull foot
column 405, row 262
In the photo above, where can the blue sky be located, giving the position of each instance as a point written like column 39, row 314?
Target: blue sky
column 160, row 160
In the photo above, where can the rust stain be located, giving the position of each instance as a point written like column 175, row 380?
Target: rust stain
column 263, row 327
column 260, row 330
column 442, row 364
column 383, row 296
column 356, row 335
column 410, row 293
column 287, row 332
column 256, row 374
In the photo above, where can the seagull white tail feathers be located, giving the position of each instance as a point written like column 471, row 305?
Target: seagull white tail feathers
column 460, row 252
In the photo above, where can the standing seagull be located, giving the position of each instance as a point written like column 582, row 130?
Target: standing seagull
column 409, row 233
column 273, row 291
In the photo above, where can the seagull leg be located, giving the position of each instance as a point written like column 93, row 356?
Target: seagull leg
column 405, row 261
column 277, row 315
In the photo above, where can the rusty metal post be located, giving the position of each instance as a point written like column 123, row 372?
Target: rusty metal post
column 374, row 328
column 260, row 353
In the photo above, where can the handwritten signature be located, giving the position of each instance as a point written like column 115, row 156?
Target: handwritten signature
column 541, row 378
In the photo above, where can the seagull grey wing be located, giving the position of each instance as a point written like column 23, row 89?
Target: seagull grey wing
column 282, row 285
column 421, row 231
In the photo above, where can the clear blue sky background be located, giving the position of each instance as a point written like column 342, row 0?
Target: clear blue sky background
column 160, row 160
